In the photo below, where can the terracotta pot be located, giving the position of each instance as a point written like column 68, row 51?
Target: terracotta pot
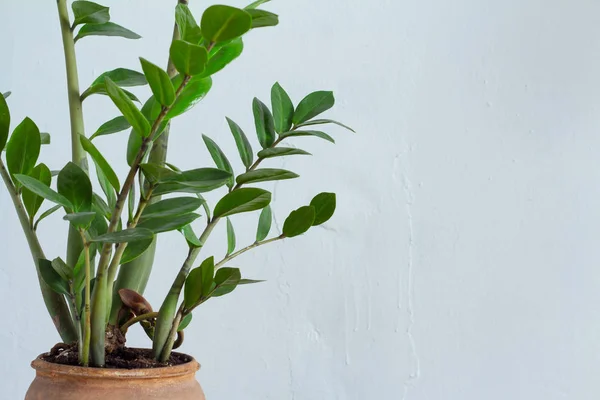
column 64, row 382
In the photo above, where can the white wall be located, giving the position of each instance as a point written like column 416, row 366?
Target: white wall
column 463, row 260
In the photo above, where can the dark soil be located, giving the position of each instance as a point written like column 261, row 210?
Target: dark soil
column 124, row 358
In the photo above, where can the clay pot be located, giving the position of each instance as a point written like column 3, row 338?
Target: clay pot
column 65, row 382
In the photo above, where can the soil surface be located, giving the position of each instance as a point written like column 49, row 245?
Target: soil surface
column 124, row 358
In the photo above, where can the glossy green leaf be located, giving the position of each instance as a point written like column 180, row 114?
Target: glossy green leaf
column 23, row 148
column 223, row 56
column 107, row 188
column 283, row 109
column 134, row 144
column 45, row 138
column 185, row 322
column 264, row 175
column 52, row 278
column 62, row 269
column 101, row 206
column 242, row 200
column 250, row 281
column 115, row 125
column 221, row 23
column 156, row 173
column 106, row 29
column 280, row 152
column 325, row 121
column 41, row 189
column 230, row 237
column 264, row 224
column 131, row 198
column 45, row 215
column 190, row 236
column 324, row 204
column 265, row 126
column 172, row 207
column 123, row 77
column 242, row 143
column 318, row 134
column 262, row 18
column 187, row 25
column 208, row 271
column 199, row 283
column 194, row 91
column 166, row 224
column 313, row 105
column 206, row 179
column 189, row 59
column 218, row 157
column 256, row 4
column 86, row 12
column 159, row 82
column 81, row 220
column 4, row 122
column 125, row 236
column 128, row 109
column 299, row 221
column 32, row 201
column 101, row 162
column 74, row 184
column 135, row 249
column 226, row 280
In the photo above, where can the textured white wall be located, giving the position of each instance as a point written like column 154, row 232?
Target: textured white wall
column 463, row 260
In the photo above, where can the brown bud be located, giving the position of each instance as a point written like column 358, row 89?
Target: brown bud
column 135, row 301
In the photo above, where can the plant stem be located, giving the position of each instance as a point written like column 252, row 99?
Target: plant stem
column 99, row 299
column 166, row 352
column 55, row 303
column 137, row 319
column 245, row 249
column 87, row 330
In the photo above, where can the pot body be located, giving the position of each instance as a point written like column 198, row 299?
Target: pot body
column 65, row 382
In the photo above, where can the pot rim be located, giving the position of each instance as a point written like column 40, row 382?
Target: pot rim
column 47, row 368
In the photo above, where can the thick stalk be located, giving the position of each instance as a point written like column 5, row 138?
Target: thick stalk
column 55, row 303
column 166, row 352
column 87, row 329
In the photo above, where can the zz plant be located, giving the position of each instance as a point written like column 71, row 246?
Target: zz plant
column 95, row 294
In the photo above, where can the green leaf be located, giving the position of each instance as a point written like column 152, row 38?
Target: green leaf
column 242, row 143
column 223, row 56
column 128, row 109
column 131, row 203
column 195, row 90
column 187, row 25
column 185, row 322
column 324, row 204
column 41, row 189
column 264, row 224
column 262, row 18
column 123, row 77
column 189, row 59
column 299, row 221
column 45, row 138
column 219, row 157
column 264, row 175
column 256, row 4
column 6, row 94
column 106, row 29
column 107, row 187
column 135, row 249
column 134, row 144
column 208, row 271
column 52, row 278
column 166, row 224
column 4, row 122
column 325, row 121
column 206, row 179
column 250, row 281
column 265, row 126
column 115, row 125
column 23, row 148
column 62, row 269
column 32, row 201
column 45, row 215
column 313, row 105
column 159, row 82
column 199, row 283
column 221, row 23
column 101, row 206
column 242, row 200
column 156, row 173
column 74, row 184
column 81, row 220
column 190, row 236
column 280, row 152
column 86, row 12
column 226, row 280
column 125, row 236
column 230, row 237
column 101, row 162
column 318, row 134
column 283, row 109
column 172, row 207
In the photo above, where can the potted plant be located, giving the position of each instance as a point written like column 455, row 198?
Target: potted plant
column 95, row 294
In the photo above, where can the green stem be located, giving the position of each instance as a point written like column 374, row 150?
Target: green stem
column 137, row 319
column 85, row 348
column 55, row 303
column 166, row 352
column 245, row 249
